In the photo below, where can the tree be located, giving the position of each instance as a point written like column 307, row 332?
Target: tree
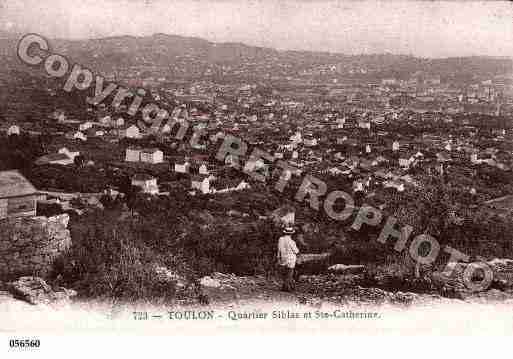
column 79, row 161
column 132, row 196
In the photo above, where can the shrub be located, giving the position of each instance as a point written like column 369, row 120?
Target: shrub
column 109, row 259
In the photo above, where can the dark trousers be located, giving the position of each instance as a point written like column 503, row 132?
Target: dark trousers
column 287, row 274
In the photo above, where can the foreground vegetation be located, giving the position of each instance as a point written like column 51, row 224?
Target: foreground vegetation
column 115, row 251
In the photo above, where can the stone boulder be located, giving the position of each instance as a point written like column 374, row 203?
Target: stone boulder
column 166, row 275
column 35, row 290
column 347, row 269
column 94, row 202
column 210, row 282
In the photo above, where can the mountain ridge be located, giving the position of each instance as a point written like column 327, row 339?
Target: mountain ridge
column 159, row 35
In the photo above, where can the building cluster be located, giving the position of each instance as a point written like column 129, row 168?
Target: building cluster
column 369, row 136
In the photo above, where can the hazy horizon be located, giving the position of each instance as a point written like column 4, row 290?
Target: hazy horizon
column 418, row 28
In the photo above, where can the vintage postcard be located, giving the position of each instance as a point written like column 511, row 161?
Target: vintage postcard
column 229, row 167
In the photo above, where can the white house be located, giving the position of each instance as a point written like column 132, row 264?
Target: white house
column 364, row 124
column 406, row 159
column 166, row 128
column 231, row 160
column 341, row 140
column 395, row 146
column 310, row 142
column 130, row 132
column 146, row 155
column 61, row 117
column 287, row 147
column 152, row 155
column 85, row 126
column 132, row 154
column 475, row 159
column 296, row 138
column 404, row 162
column 201, row 183
column 231, row 188
column 13, row 130
column 147, row 183
column 242, row 186
column 70, row 154
column 182, row 167
column 106, row 120
column 79, row 136
column 203, row 170
column 119, row 122
column 358, row 186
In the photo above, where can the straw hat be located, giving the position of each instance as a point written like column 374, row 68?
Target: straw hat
column 289, row 230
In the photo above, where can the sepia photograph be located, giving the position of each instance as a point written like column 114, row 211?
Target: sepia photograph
column 172, row 167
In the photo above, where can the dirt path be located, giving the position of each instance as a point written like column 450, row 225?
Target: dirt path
column 329, row 289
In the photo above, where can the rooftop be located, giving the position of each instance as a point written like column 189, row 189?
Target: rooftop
column 13, row 184
column 52, row 158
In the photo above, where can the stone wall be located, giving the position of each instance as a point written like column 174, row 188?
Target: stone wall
column 29, row 246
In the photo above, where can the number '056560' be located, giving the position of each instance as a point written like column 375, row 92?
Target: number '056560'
column 24, row 343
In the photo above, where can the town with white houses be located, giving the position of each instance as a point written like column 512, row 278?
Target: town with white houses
column 103, row 198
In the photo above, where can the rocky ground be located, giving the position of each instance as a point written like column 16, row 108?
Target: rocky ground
column 327, row 289
column 342, row 285
column 347, row 284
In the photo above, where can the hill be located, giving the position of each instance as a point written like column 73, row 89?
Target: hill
column 165, row 51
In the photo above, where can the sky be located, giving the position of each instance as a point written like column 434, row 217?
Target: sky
column 420, row 28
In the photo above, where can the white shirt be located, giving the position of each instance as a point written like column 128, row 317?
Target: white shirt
column 287, row 251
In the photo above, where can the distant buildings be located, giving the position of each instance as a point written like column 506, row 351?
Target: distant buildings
column 79, row 136
column 201, row 183
column 85, row 126
column 145, row 155
column 13, row 130
column 310, row 142
column 182, row 167
column 364, row 124
column 203, row 170
column 147, row 183
column 406, row 159
column 130, row 132
column 17, row 195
